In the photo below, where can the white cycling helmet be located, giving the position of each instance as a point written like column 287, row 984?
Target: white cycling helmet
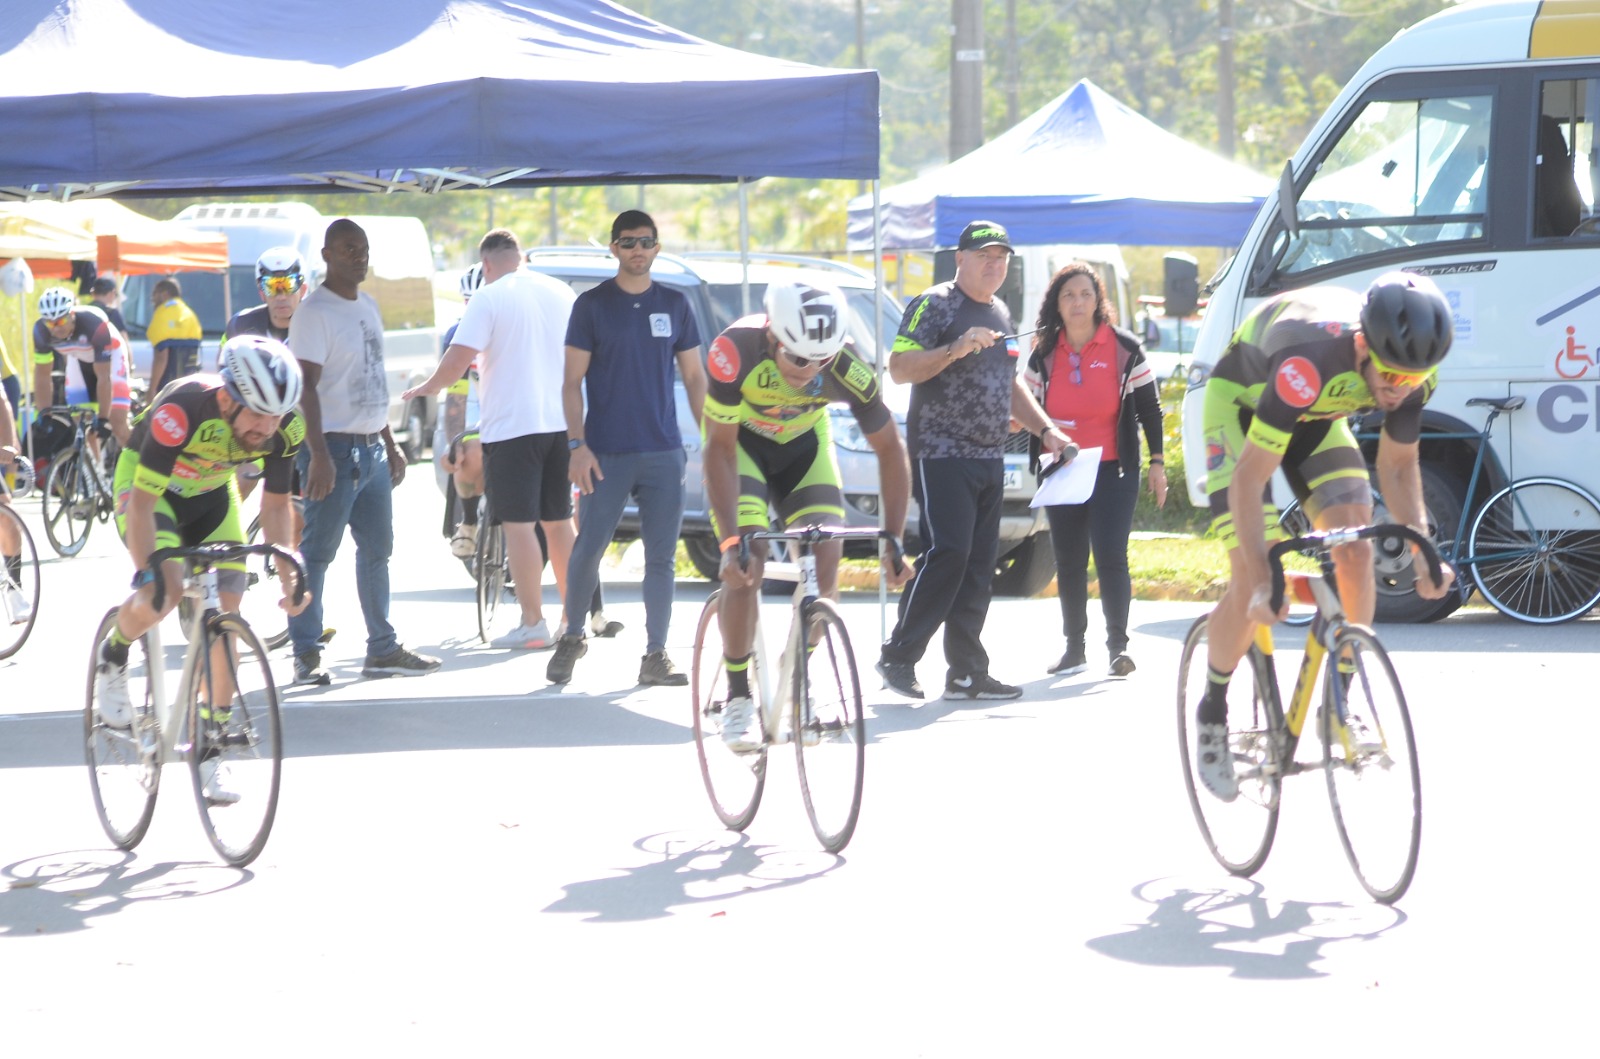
column 280, row 261
column 261, row 374
column 808, row 318
column 471, row 280
column 56, row 303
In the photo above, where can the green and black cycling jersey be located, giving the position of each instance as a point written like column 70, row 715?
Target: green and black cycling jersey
column 185, row 446
column 745, row 389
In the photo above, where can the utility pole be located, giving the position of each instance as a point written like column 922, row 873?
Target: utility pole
column 861, row 60
column 966, row 77
column 1225, row 77
column 1013, row 67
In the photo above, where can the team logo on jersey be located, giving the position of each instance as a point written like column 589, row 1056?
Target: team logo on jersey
column 1298, row 383
column 169, row 425
column 859, row 377
column 723, row 360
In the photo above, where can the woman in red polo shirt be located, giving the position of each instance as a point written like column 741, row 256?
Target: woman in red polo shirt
column 1092, row 379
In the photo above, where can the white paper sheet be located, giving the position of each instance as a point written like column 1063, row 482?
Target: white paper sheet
column 1073, row 483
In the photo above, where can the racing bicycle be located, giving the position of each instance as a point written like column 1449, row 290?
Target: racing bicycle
column 19, row 580
column 223, row 720
column 1369, row 758
column 77, row 488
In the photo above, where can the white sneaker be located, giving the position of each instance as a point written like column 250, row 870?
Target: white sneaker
column 465, row 542
column 1215, row 758
column 741, row 731
column 18, row 606
column 215, row 784
column 526, row 638
column 111, row 694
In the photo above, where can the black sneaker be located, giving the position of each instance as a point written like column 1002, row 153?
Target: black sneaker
column 1122, row 665
column 656, row 668
column 1073, row 661
column 980, row 686
column 902, row 677
column 308, row 670
column 399, row 663
column 568, row 650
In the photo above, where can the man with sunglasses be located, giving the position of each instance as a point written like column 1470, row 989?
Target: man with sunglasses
column 67, row 332
column 281, row 279
column 1280, row 396
column 769, row 443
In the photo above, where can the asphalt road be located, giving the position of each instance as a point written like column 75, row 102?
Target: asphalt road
column 474, row 862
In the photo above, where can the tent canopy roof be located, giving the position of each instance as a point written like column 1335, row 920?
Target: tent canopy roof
column 1084, row 168
column 159, row 97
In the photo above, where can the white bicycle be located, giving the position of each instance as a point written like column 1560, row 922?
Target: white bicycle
column 820, row 699
column 239, row 744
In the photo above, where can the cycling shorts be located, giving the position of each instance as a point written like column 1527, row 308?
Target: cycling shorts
column 211, row 517
column 800, row 478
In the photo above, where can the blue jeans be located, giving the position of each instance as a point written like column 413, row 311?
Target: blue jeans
column 362, row 498
column 656, row 480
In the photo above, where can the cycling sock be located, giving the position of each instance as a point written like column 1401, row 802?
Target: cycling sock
column 14, row 568
column 115, row 648
column 1214, row 705
column 469, row 511
column 738, row 676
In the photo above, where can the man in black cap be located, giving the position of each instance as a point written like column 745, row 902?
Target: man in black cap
column 106, row 297
column 954, row 346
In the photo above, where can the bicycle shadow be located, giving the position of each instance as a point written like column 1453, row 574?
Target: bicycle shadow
column 694, row 868
column 60, row 893
column 1235, row 926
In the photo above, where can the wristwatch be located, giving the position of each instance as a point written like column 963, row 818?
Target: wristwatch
column 574, row 444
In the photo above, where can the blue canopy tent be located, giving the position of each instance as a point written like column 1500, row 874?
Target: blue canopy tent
column 1082, row 169
column 163, row 97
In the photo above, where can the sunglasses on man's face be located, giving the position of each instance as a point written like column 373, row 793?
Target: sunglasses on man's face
column 1401, row 378
column 271, row 285
column 645, row 242
column 802, row 363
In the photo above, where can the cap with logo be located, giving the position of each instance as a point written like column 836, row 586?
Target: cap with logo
column 980, row 234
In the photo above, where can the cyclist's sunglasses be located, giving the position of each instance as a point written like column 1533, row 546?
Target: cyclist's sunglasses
column 285, row 284
column 64, row 318
column 1400, row 378
column 802, row 363
column 646, row 242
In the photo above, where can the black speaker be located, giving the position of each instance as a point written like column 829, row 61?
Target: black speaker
column 1180, row 284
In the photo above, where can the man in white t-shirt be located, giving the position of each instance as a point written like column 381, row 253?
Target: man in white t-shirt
column 516, row 325
column 350, row 463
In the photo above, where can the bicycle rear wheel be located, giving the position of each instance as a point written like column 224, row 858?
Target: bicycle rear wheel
column 1535, row 551
column 123, row 778
column 1238, row 833
column 830, row 730
column 491, row 564
column 236, row 751
column 19, row 582
column 733, row 781
column 1376, row 789
column 262, row 594
column 69, row 503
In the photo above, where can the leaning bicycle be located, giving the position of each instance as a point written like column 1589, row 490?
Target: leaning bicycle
column 1369, row 757
column 78, row 486
column 223, row 721
column 812, row 698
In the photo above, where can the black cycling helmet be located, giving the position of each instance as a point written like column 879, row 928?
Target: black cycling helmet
column 1407, row 323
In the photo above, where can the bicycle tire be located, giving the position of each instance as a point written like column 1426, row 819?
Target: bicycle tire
column 19, row 586
column 1376, row 794
column 69, row 504
column 829, row 726
column 734, row 782
column 491, row 571
column 1238, row 833
column 259, row 607
column 242, row 744
column 1294, row 522
column 123, row 779
column 1539, row 575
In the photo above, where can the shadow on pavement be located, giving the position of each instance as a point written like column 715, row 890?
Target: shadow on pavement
column 61, row 893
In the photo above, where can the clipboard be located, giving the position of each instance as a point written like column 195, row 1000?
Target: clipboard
column 1068, row 483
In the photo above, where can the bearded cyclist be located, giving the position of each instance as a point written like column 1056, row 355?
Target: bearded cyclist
column 66, row 331
column 1298, row 366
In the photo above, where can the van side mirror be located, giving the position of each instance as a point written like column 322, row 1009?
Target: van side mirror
column 1181, row 284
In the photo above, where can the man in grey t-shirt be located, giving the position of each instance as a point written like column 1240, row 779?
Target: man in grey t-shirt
column 953, row 347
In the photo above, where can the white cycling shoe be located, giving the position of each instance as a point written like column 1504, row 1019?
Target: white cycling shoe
column 741, row 726
column 1214, row 760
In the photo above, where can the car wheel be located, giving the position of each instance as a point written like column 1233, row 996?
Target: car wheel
column 702, row 551
column 416, row 423
column 1027, row 569
column 1397, row 601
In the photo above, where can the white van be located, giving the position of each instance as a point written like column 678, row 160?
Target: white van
column 1465, row 150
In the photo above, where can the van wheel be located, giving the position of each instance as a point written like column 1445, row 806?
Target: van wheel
column 1443, row 494
column 1027, row 569
column 416, row 424
column 702, row 551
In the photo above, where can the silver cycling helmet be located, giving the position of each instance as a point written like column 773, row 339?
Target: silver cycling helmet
column 280, row 261
column 261, row 374
column 471, row 280
column 56, row 303
column 808, row 318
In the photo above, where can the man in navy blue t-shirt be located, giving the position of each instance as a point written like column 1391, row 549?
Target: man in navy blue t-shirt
column 623, row 338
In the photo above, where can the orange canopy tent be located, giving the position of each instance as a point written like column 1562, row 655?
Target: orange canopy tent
column 127, row 241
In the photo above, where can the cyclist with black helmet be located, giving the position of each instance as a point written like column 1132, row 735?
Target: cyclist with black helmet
column 175, row 487
column 1296, row 369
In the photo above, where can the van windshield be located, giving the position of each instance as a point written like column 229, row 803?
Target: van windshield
column 202, row 292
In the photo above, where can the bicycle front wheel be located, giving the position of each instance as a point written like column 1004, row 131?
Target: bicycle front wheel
column 19, row 582
column 1371, row 763
column 262, row 595
column 491, row 563
column 125, row 758
column 236, row 741
column 69, row 504
column 830, row 730
column 1238, row 833
column 1535, row 551
column 733, row 781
